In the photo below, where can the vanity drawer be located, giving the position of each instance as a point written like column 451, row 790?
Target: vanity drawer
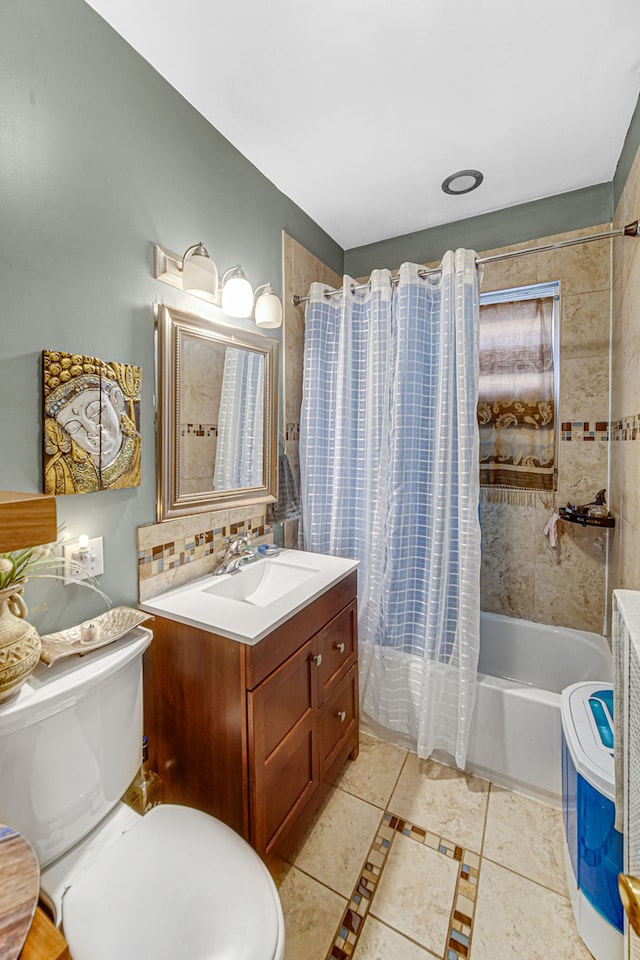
column 337, row 643
column 281, row 702
column 266, row 655
column 338, row 716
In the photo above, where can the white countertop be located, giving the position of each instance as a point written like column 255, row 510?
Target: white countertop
column 243, row 620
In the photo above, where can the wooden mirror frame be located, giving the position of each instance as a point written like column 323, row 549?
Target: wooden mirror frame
column 172, row 325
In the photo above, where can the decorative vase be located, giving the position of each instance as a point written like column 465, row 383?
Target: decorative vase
column 19, row 641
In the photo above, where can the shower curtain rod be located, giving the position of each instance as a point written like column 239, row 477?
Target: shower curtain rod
column 630, row 230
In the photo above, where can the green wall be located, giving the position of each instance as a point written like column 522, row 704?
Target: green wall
column 627, row 156
column 99, row 159
column 540, row 218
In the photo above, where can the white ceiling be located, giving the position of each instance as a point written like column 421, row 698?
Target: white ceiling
column 358, row 109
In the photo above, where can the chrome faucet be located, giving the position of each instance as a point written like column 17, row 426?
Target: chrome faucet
column 239, row 552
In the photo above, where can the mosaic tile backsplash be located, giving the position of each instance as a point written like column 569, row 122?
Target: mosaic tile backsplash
column 175, row 552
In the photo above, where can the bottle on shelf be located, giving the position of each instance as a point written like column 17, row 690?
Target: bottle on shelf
column 145, row 790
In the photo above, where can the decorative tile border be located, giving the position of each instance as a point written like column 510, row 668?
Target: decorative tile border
column 627, row 428
column 179, row 552
column 464, row 901
column 585, row 430
column 199, row 430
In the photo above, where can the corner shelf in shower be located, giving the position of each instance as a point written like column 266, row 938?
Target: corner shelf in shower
column 585, row 520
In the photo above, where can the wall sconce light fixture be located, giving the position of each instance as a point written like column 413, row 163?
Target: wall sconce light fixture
column 268, row 309
column 199, row 272
column 196, row 273
column 237, row 295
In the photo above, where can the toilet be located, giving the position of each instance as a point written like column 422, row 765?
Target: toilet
column 176, row 883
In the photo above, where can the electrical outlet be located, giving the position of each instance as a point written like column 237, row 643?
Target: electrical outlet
column 92, row 562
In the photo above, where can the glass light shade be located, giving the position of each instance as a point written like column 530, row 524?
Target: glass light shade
column 200, row 275
column 268, row 309
column 237, row 295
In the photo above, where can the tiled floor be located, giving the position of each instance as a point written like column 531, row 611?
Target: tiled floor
column 410, row 860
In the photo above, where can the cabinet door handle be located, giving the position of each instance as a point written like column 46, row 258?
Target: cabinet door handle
column 317, row 659
column 340, row 647
column 342, row 715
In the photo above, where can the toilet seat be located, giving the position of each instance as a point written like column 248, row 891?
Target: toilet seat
column 178, row 884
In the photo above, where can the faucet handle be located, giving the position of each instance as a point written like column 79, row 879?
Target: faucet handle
column 236, row 544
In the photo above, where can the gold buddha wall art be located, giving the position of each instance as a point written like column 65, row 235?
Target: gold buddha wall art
column 91, row 424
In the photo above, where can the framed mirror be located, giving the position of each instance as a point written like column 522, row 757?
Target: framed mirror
column 217, row 415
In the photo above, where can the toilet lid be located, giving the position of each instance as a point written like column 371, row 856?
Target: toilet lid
column 177, row 884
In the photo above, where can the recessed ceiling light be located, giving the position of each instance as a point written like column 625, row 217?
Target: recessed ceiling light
column 464, row 181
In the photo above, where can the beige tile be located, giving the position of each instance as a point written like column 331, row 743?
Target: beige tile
column 293, row 361
column 625, row 456
column 573, row 593
column 379, row 942
column 311, row 916
column 582, row 470
column 246, row 517
column 178, row 577
column 373, row 775
column 527, row 837
column 157, row 534
column 628, row 577
column 582, row 268
column 220, row 520
column 515, row 272
column 507, row 530
column 415, row 893
column 543, row 552
column 584, row 328
column 584, row 389
column 516, row 917
column 335, row 847
column 506, row 587
column 630, row 371
column 445, row 801
column 619, row 405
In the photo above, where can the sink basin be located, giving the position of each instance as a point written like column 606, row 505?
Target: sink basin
column 250, row 603
column 261, row 582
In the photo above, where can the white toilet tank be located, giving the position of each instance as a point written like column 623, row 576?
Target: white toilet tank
column 70, row 744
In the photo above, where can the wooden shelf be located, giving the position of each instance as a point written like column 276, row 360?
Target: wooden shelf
column 26, row 520
column 585, row 520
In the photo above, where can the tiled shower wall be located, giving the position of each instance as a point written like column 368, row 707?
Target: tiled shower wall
column 625, row 393
column 522, row 575
column 300, row 270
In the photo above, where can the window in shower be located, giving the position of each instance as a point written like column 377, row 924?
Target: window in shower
column 518, row 390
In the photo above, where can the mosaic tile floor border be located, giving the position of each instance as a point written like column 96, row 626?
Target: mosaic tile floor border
column 464, row 900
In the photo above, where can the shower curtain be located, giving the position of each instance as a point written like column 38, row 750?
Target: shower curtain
column 390, row 477
column 240, row 421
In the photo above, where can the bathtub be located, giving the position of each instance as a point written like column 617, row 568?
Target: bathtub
column 516, row 730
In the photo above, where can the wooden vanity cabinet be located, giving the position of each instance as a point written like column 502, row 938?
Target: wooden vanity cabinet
column 255, row 735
